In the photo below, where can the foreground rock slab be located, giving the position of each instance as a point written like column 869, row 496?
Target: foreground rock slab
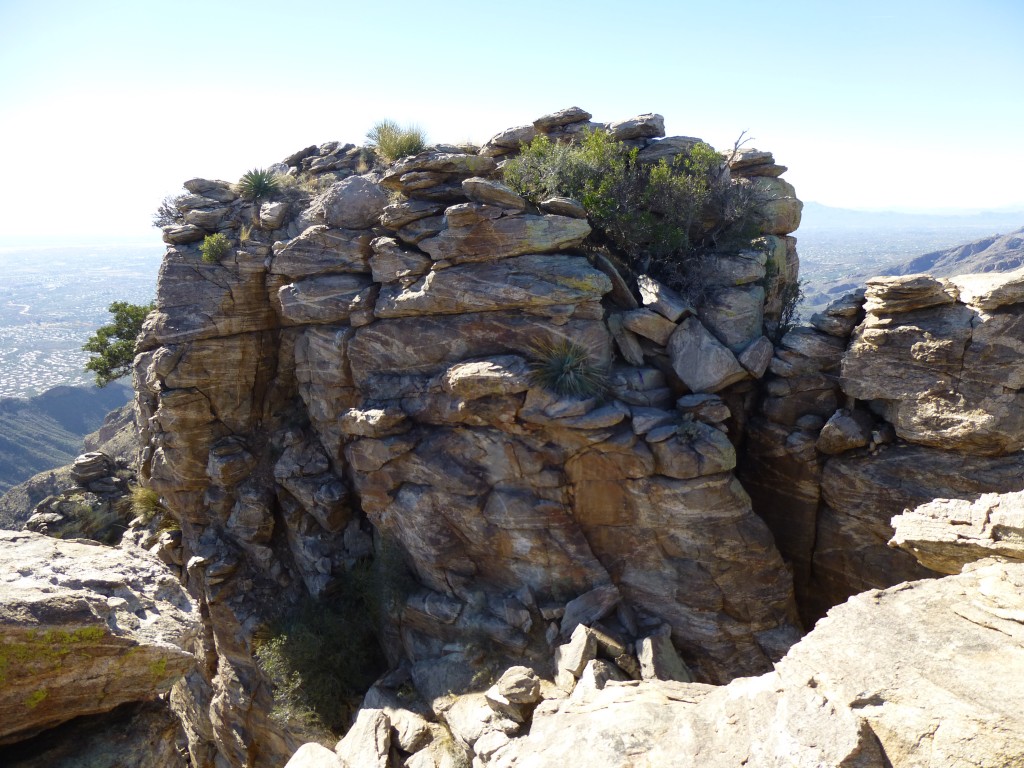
column 84, row 628
column 924, row 674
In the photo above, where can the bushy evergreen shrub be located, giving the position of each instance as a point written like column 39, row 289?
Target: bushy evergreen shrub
column 214, row 247
column 657, row 217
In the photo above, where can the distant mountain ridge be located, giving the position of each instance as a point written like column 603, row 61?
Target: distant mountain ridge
column 995, row 253
column 998, row 253
column 47, row 430
column 818, row 216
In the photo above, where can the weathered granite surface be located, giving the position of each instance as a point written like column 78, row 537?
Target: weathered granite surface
column 85, row 628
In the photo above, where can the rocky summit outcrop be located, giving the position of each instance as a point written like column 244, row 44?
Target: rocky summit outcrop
column 85, row 628
column 362, row 367
column 903, row 393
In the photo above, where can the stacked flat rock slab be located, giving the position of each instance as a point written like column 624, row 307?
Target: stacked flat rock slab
column 85, row 628
column 946, row 534
column 949, row 370
column 929, row 363
column 362, row 360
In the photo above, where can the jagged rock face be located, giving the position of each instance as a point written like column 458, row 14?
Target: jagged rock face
column 931, row 364
column 949, row 370
column 83, row 629
column 366, row 369
column 144, row 735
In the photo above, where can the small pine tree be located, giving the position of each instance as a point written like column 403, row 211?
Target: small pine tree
column 113, row 345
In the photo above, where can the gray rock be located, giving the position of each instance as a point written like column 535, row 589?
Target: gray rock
column 740, row 269
column 368, row 742
column 563, row 206
column 659, row 659
column 625, row 340
column 397, row 215
column 520, row 685
column 667, row 149
column 572, row 657
column 221, row 191
column 844, row 431
column 313, row 755
column 91, row 466
column 85, row 628
column 548, row 123
column 649, row 126
column 757, row 356
column 182, row 234
column 391, row 262
column 353, row 203
column 707, row 408
column 702, row 362
column 325, row 298
column 482, row 238
column 272, row 215
column 662, row 299
column 650, row 325
column 320, row 250
column 487, row 192
column 520, row 282
column 510, row 139
column 989, row 292
column 734, row 315
column 947, row 534
column 589, row 608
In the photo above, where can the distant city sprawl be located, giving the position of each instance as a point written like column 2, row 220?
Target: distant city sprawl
column 52, row 299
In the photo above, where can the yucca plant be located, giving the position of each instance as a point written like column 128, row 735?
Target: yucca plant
column 392, row 141
column 258, row 183
column 565, row 368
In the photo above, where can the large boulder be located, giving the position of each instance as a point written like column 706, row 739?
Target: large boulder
column 924, row 674
column 83, row 629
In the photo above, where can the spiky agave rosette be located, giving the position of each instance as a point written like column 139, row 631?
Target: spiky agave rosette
column 257, row 184
column 567, row 369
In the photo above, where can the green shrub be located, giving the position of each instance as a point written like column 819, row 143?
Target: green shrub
column 113, row 345
column 566, row 369
column 392, row 141
column 258, row 183
column 145, row 503
column 321, row 657
column 658, row 217
column 215, row 247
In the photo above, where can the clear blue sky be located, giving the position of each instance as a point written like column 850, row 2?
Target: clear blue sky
column 106, row 106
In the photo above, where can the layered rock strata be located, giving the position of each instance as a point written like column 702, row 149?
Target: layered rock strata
column 904, row 393
column 361, row 367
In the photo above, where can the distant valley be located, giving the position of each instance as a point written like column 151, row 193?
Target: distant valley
column 46, row 431
column 841, row 248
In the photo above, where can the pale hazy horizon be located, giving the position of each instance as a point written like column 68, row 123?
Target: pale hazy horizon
column 107, row 107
